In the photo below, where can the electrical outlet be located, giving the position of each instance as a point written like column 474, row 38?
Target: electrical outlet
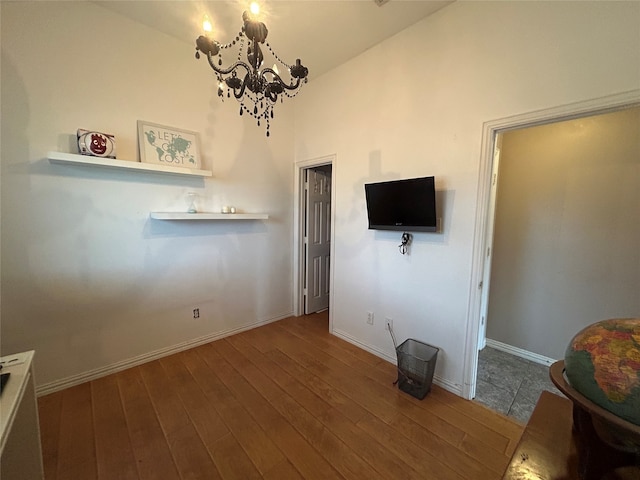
column 370, row 318
column 388, row 323
column 196, row 313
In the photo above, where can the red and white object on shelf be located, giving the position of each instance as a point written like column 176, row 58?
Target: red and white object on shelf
column 96, row 144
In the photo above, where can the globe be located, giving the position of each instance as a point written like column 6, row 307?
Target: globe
column 602, row 362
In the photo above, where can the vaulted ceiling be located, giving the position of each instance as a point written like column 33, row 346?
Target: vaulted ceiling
column 323, row 33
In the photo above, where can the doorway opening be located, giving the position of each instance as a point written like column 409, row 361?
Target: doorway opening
column 313, row 236
column 484, row 230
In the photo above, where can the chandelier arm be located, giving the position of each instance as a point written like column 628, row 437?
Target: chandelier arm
column 225, row 71
column 278, row 79
column 291, row 86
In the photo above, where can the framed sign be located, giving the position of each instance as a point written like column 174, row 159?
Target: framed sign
column 168, row 146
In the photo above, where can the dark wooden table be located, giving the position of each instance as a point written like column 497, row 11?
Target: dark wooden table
column 547, row 448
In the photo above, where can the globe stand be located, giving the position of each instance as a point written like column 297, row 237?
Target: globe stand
column 608, row 446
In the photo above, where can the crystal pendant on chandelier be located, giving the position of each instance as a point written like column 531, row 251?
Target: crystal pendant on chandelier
column 248, row 80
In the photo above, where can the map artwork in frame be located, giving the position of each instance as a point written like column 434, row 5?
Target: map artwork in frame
column 168, row 146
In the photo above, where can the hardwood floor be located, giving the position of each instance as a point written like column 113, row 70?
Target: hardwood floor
column 284, row 401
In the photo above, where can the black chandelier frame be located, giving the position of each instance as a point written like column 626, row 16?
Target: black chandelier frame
column 266, row 85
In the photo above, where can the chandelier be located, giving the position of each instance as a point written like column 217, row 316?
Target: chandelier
column 256, row 88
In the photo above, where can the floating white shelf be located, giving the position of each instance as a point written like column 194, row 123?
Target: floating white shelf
column 85, row 160
column 208, row 216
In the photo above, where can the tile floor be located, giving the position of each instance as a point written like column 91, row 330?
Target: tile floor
column 510, row 385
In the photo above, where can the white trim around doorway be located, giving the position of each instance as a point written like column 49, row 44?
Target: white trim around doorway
column 298, row 231
column 490, row 130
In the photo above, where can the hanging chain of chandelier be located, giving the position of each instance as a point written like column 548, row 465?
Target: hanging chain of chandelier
column 256, row 88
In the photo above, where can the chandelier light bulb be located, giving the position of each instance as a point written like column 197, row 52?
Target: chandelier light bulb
column 254, row 8
column 206, row 25
column 275, row 69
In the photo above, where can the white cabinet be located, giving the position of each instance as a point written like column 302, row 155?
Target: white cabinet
column 20, row 450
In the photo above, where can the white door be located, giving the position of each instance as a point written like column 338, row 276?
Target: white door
column 317, row 238
column 486, row 277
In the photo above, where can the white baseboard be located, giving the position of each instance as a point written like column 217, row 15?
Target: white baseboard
column 441, row 382
column 147, row 357
column 369, row 348
column 519, row 352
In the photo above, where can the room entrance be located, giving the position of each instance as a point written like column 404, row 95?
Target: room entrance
column 314, row 233
column 486, row 247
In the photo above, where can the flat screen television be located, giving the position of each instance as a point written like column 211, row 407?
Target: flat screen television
column 407, row 205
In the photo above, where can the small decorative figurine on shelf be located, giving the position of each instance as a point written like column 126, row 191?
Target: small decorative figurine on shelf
column 96, row 144
column 191, row 202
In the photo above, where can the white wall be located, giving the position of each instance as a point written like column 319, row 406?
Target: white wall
column 567, row 233
column 415, row 105
column 88, row 280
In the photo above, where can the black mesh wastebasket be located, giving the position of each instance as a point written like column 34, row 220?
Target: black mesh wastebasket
column 416, row 364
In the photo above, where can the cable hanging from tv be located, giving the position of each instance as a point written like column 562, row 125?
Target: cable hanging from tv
column 404, row 244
